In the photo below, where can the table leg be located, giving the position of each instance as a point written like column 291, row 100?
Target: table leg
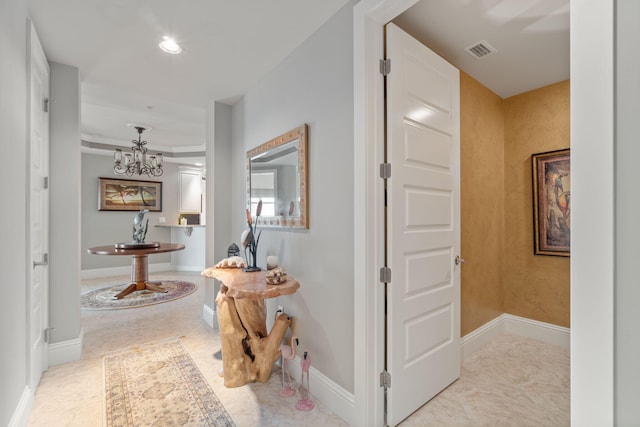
column 139, row 269
column 139, row 277
column 152, row 286
column 248, row 353
column 126, row 291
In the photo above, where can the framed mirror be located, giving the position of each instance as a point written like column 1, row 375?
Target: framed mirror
column 277, row 175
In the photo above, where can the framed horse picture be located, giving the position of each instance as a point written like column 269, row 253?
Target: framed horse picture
column 552, row 203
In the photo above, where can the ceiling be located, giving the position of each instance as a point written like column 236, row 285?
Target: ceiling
column 228, row 46
column 531, row 38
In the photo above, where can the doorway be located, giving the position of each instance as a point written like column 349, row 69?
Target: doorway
column 369, row 19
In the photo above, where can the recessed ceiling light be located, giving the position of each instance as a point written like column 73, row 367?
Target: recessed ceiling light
column 169, row 45
column 197, row 164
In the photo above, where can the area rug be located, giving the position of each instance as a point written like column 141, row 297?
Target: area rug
column 102, row 299
column 158, row 384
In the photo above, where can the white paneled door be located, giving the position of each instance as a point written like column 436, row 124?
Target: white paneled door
column 423, row 223
column 38, row 209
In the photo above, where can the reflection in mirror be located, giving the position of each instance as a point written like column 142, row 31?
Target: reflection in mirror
column 277, row 175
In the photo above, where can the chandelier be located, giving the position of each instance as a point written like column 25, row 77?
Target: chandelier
column 136, row 162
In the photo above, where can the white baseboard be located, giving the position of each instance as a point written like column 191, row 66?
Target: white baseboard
column 475, row 340
column 20, row 417
column 66, row 351
column 124, row 270
column 508, row 323
column 197, row 268
column 209, row 316
column 336, row 398
column 342, row 402
column 541, row 331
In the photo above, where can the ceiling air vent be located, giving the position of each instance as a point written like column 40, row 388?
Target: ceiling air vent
column 480, row 49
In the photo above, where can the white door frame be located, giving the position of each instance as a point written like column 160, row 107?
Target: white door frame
column 369, row 18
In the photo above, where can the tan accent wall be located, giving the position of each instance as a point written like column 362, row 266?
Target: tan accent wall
column 481, row 203
column 535, row 286
column 498, row 137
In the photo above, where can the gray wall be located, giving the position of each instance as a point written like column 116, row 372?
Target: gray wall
column 13, row 233
column 64, row 203
column 219, row 188
column 627, row 294
column 221, row 180
column 106, row 227
column 314, row 85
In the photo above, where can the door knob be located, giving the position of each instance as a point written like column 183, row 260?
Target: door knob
column 459, row 260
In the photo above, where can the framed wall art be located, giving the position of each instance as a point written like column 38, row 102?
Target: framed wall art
column 552, row 203
column 129, row 195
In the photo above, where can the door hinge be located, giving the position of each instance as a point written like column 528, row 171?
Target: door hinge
column 45, row 184
column 385, row 275
column 385, row 170
column 47, row 334
column 385, row 66
column 45, row 105
column 385, row 379
column 45, row 260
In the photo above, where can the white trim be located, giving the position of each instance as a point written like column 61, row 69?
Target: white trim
column 97, row 273
column 508, row 323
column 197, row 268
column 66, row 351
column 475, row 340
column 369, row 17
column 323, row 389
column 209, row 316
column 152, row 147
column 368, row 104
column 20, row 417
column 541, row 331
column 593, row 245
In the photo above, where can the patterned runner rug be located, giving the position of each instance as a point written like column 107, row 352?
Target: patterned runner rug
column 102, row 299
column 158, row 384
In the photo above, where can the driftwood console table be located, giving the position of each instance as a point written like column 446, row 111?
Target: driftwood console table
column 248, row 352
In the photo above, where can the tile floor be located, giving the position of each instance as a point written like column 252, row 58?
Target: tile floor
column 511, row 382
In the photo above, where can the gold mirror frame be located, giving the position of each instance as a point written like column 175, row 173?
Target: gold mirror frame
column 301, row 220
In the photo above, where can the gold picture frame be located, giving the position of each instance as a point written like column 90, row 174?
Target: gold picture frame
column 552, row 203
column 129, row 195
